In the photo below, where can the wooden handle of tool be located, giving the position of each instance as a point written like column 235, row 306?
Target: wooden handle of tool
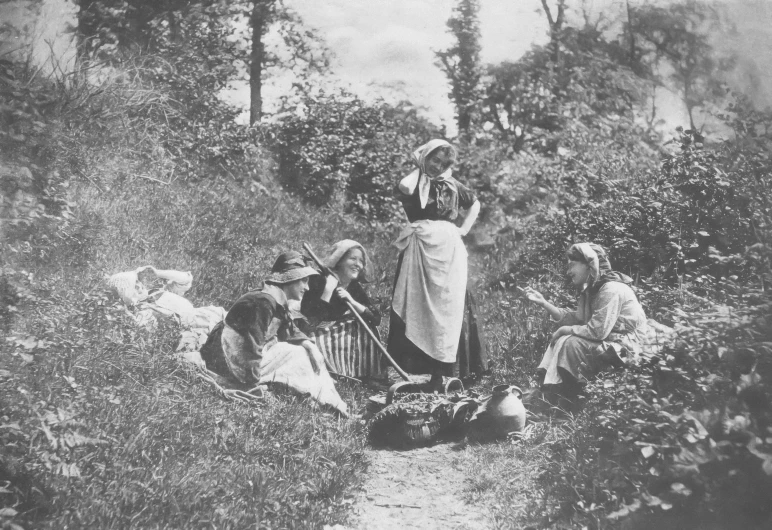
column 369, row 331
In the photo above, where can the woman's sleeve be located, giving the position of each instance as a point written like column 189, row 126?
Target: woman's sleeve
column 400, row 195
column 466, row 196
column 253, row 315
column 312, row 305
column 371, row 314
column 567, row 318
column 607, row 307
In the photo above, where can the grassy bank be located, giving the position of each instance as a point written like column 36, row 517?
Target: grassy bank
column 100, row 427
column 105, row 429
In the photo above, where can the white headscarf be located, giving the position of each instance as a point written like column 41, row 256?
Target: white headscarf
column 339, row 250
column 600, row 267
column 419, row 178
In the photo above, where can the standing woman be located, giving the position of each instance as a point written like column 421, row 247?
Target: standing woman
column 433, row 328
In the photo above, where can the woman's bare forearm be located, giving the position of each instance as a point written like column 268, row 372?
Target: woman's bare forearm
column 471, row 217
column 555, row 312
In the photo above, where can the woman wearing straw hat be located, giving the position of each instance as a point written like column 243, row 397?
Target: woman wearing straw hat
column 433, row 327
column 258, row 342
column 340, row 337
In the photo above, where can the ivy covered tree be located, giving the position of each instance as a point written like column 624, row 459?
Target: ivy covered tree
column 461, row 62
column 345, row 151
column 531, row 99
column 556, row 22
column 305, row 51
column 673, row 46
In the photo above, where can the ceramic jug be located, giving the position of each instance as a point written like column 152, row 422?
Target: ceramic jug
column 501, row 414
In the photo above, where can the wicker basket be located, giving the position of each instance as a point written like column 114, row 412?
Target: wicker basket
column 409, row 418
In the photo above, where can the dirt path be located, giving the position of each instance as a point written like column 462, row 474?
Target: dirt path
column 421, row 488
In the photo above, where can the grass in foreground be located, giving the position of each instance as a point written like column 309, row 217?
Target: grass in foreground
column 105, row 429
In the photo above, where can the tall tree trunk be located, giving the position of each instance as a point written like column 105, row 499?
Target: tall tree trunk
column 259, row 22
column 461, row 63
column 632, row 34
column 556, row 27
column 174, row 26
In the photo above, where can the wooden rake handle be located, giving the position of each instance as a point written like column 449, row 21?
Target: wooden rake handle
column 369, row 331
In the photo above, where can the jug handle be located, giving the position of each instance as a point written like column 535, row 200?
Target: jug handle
column 404, row 386
column 454, row 382
column 514, row 388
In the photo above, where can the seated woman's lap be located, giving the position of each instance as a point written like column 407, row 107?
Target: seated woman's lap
column 578, row 360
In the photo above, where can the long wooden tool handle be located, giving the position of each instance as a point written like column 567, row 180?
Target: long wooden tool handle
column 369, row 331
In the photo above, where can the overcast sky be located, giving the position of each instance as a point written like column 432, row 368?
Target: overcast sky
column 383, row 44
column 386, row 47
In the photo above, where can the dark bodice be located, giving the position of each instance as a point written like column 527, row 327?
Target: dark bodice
column 412, row 202
column 317, row 310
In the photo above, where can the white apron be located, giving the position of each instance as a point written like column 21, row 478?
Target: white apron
column 430, row 291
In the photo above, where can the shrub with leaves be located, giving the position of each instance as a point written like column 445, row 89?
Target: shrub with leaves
column 338, row 148
column 703, row 217
column 684, row 438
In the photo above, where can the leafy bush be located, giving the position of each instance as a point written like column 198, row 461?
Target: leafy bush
column 682, row 439
column 703, row 217
column 337, row 148
column 542, row 104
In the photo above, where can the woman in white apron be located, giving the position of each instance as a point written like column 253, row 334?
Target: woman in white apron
column 433, row 326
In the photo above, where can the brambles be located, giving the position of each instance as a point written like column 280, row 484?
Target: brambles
column 338, row 150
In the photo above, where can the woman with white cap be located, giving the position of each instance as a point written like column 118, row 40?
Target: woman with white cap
column 606, row 328
column 338, row 334
column 433, row 327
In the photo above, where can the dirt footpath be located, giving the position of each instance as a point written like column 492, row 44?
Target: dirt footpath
column 421, row 488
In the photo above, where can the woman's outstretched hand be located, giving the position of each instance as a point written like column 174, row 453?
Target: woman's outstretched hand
column 533, row 295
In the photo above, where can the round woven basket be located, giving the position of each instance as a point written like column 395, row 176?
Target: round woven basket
column 410, row 418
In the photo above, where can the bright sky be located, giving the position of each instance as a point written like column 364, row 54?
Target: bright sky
column 383, row 44
column 386, row 47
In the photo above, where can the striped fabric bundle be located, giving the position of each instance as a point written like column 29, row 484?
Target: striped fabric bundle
column 349, row 349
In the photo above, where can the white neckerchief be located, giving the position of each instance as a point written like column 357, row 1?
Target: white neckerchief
column 408, row 184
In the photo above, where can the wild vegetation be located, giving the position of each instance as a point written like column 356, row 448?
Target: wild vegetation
column 142, row 163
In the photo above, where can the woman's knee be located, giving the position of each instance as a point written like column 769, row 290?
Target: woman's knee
column 576, row 345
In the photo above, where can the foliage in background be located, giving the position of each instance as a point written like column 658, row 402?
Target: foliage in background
column 674, row 46
column 461, row 62
column 337, row 149
column 534, row 100
column 570, row 158
column 702, row 218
